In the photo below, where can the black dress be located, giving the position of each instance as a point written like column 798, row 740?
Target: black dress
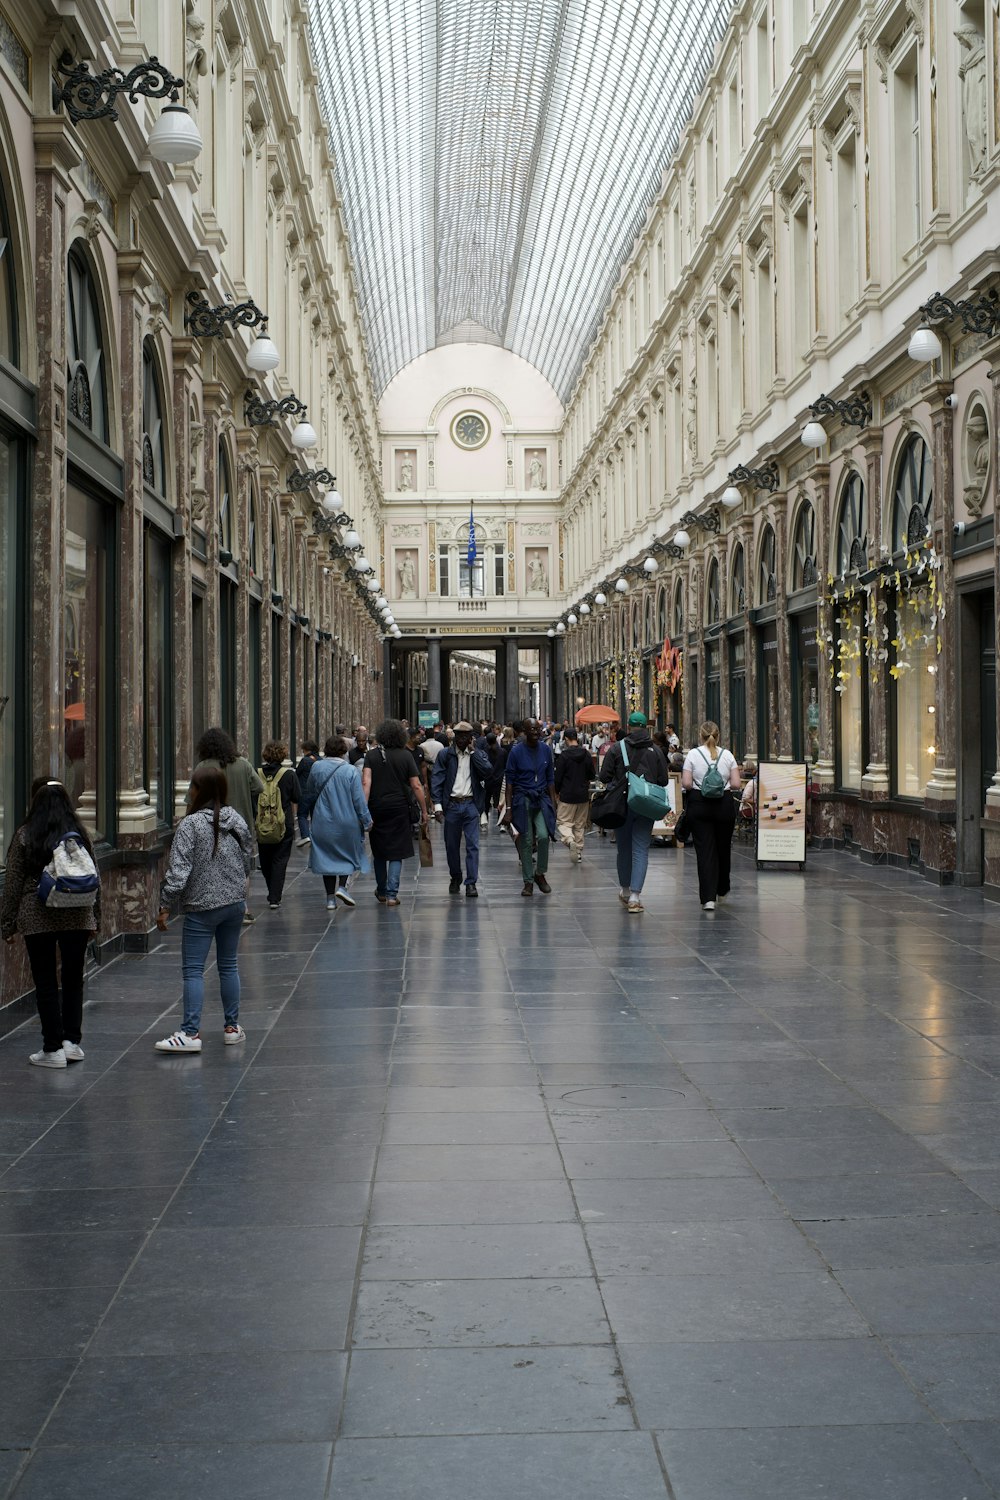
column 392, row 830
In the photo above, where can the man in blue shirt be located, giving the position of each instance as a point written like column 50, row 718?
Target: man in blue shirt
column 529, row 804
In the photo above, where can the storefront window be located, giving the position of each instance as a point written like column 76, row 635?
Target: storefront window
column 227, row 656
column 770, row 699
column 852, row 528
column 713, row 602
column 738, row 585
column 12, row 605
column 849, row 685
column 87, row 681
column 198, row 661
column 158, row 728
column 806, row 690
column 253, row 682
column 276, row 675
column 738, row 695
column 713, row 681
column 914, row 493
column 916, row 663
column 804, row 549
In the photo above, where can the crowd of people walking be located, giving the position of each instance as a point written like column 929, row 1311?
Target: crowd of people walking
column 538, row 778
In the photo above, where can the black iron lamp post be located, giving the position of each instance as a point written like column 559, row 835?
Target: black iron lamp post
column 301, row 481
column 854, row 411
column 92, row 96
column 259, row 413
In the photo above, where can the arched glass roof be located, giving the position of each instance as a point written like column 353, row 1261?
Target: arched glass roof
column 496, row 159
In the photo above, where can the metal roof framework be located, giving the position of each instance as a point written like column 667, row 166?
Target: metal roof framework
column 496, row 159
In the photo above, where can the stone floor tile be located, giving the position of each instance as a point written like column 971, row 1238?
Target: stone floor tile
column 674, row 1200
column 879, row 1195
column 473, row 1202
column 752, row 1304
column 980, row 1442
column 455, row 1128
column 959, row 1376
column 571, row 1466
column 454, row 1391
column 787, row 1383
column 478, row 1313
column 660, row 1160
column 254, row 1471
column 285, row 1398
column 403, row 1253
column 485, row 1163
column 818, row 1463
column 925, row 1299
column 716, row 1248
column 909, row 1240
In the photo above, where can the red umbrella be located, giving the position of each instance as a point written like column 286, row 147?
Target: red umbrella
column 597, row 713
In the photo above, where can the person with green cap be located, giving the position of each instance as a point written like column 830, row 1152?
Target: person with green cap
column 645, row 759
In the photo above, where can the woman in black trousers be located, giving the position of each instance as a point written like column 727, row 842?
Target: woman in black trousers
column 710, row 776
column 274, row 857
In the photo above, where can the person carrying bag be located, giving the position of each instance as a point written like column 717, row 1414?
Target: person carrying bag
column 709, row 776
column 636, row 774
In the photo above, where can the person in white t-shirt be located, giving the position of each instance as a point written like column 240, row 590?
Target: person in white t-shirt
column 710, row 776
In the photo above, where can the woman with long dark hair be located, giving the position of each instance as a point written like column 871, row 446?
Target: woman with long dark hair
column 395, row 800
column 216, row 750
column 50, row 931
column 210, row 859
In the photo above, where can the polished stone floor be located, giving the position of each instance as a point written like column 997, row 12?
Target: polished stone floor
column 510, row 1199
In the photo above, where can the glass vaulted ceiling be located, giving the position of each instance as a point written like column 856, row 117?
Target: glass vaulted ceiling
column 496, row 159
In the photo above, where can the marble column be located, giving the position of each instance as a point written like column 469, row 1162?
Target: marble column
column 779, row 516
column 434, row 672
column 559, row 678
column 185, row 356
column 500, row 689
column 875, row 782
column 513, row 681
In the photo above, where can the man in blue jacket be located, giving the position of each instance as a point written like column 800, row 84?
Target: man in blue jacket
column 458, row 786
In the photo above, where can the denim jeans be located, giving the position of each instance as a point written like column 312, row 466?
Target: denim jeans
column 387, row 876
column 537, row 826
column 224, row 924
column 462, row 817
column 303, row 825
column 633, row 851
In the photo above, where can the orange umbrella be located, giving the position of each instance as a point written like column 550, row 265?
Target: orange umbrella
column 75, row 711
column 597, row 713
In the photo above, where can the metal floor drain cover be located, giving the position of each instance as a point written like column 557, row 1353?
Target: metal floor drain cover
column 636, row 1096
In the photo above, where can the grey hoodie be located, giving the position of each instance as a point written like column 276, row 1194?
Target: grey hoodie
column 206, row 879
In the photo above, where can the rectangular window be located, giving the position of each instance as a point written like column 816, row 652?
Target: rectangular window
column 713, row 681
column 158, row 673
column 227, row 656
column 906, row 156
column 87, row 679
column 914, row 651
column 765, row 331
column 802, row 287
column 847, row 218
column 498, row 571
column 770, row 697
column 444, row 573
column 849, row 685
column 806, row 690
column 275, row 675
column 471, row 582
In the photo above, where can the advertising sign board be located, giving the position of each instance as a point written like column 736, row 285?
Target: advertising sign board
column 781, row 813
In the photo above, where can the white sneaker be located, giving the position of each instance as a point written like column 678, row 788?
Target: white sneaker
column 48, row 1059
column 304, row 843
column 343, row 894
column 73, row 1051
column 179, row 1041
column 635, row 906
column 623, row 896
column 331, row 903
column 234, row 1037
column 484, row 821
column 708, row 906
column 579, row 857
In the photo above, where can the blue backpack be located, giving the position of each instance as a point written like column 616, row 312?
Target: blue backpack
column 712, row 784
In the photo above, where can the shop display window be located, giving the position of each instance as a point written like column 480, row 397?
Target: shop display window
column 87, row 680
column 157, row 665
column 849, row 682
column 913, row 692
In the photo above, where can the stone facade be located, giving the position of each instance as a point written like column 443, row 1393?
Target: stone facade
column 167, row 575
column 837, row 172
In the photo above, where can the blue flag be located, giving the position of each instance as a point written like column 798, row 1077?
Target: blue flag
column 472, row 553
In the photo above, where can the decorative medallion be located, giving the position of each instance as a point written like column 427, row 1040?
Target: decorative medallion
column 470, row 430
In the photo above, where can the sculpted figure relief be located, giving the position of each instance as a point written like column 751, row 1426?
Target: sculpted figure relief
column 406, row 473
column 972, row 71
column 977, row 460
column 407, row 571
column 536, row 474
column 538, row 578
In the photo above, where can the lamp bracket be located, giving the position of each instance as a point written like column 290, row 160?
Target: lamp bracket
column 298, row 481
column 854, row 411
column 765, row 478
column 979, row 314
column 208, row 322
column 91, row 96
column 258, row 413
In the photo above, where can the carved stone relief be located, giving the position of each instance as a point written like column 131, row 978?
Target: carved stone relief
column 976, row 458
column 406, row 572
column 535, row 470
column 406, row 469
column 536, row 570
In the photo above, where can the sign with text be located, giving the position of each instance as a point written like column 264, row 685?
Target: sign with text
column 781, row 812
column 428, row 714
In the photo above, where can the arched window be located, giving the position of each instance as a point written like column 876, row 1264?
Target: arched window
column 253, row 537
column 677, row 627
column 275, row 554
column 767, row 573
column 225, row 491
column 852, row 528
column 649, row 619
column 86, row 377
column 738, row 582
column 713, row 594
column 661, row 616
column 804, row 549
column 8, row 290
column 154, row 468
column 913, row 496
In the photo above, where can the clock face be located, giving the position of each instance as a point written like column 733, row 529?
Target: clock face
column 470, row 429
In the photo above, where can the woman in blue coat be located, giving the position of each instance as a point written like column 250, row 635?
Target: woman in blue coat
column 334, row 798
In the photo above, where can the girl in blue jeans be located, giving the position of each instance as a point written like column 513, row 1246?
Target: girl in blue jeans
column 210, row 860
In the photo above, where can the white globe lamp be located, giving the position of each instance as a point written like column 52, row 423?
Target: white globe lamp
column 551, row 633
column 571, row 619
column 621, row 587
column 650, row 566
column 361, row 563
column 560, row 628
column 600, row 598
column 813, row 435
column 730, row 497
column 351, row 539
column 304, row 436
column 681, row 538
column 924, row 346
column 263, row 354
column 175, row 137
